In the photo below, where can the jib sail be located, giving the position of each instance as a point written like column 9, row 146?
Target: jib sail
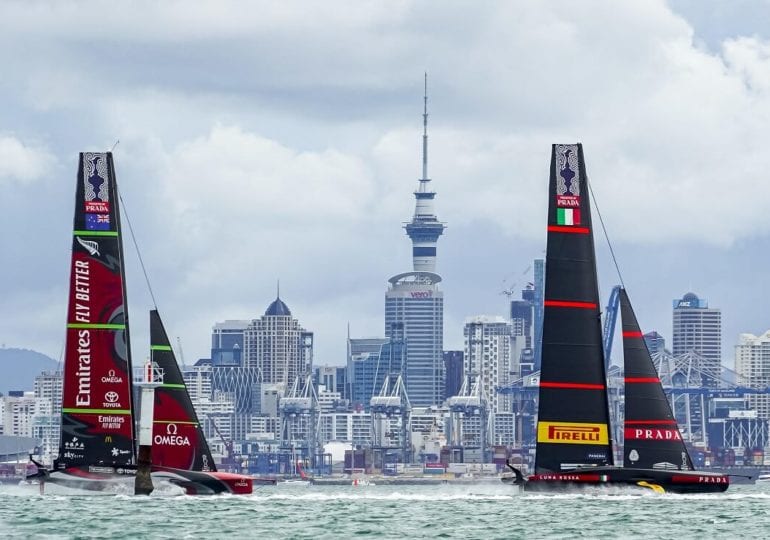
column 573, row 414
column 178, row 439
column 651, row 434
column 97, row 426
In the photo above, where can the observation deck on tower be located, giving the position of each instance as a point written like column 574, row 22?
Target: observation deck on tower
column 425, row 228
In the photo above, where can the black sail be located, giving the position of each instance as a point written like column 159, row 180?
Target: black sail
column 573, row 414
column 651, row 434
column 178, row 439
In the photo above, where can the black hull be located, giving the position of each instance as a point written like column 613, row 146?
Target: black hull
column 658, row 480
column 108, row 479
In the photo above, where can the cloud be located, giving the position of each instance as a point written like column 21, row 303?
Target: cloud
column 283, row 141
column 23, row 163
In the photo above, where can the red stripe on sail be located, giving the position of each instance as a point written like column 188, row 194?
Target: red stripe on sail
column 633, row 333
column 642, row 380
column 569, row 304
column 568, row 229
column 650, row 422
column 571, row 386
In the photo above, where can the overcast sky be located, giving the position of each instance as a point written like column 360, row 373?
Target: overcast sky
column 262, row 141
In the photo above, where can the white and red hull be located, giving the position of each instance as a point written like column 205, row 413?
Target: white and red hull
column 109, row 479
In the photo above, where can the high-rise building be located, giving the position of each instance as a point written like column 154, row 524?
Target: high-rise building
column 522, row 329
column 455, row 371
column 331, row 377
column 539, row 290
column 655, row 342
column 371, row 361
column 19, row 409
column 413, row 303
column 359, row 349
column 227, row 342
column 278, row 346
column 698, row 328
column 752, row 363
column 488, row 357
column 47, row 417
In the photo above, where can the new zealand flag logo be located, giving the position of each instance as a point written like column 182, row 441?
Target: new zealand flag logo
column 98, row 222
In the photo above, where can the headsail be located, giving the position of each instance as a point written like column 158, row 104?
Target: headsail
column 652, row 438
column 178, row 439
column 97, row 427
column 573, row 412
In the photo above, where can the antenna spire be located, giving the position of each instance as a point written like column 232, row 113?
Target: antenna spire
column 425, row 137
column 278, row 288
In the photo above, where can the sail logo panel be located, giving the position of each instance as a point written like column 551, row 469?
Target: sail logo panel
column 572, row 433
column 96, row 185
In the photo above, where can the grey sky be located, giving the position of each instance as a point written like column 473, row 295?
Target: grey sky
column 264, row 141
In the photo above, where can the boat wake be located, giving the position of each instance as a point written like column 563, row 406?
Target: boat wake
column 358, row 495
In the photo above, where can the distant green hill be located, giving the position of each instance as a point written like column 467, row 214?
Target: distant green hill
column 18, row 368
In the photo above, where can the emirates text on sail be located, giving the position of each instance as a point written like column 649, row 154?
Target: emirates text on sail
column 81, row 288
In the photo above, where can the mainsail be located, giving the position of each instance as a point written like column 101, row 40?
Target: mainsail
column 97, row 427
column 573, row 413
column 651, row 434
column 178, row 439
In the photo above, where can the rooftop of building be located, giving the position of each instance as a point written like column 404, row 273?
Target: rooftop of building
column 278, row 309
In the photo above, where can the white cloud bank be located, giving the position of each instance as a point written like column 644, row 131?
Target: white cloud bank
column 282, row 141
column 21, row 162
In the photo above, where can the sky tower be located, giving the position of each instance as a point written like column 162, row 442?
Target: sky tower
column 425, row 228
column 414, row 305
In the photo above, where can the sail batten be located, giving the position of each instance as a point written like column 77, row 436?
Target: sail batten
column 573, row 412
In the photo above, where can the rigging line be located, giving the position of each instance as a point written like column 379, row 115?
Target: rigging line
column 606, row 236
column 136, row 246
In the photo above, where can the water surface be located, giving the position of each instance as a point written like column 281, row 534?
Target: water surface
column 482, row 511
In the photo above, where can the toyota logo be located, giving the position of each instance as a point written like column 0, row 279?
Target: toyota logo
column 112, row 397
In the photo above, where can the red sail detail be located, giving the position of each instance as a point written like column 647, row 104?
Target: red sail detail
column 642, row 380
column 633, row 333
column 174, row 437
column 568, row 230
column 572, row 386
column 650, row 422
column 569, row 304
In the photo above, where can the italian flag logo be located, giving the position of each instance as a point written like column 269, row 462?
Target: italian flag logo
column 568, row 216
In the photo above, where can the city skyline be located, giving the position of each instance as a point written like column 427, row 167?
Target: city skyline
column 235, row 178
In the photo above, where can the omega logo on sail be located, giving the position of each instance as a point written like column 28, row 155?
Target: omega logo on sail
column 171, row 438
column 112, row 378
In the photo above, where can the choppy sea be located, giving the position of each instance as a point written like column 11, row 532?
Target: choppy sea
column 483, row 511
